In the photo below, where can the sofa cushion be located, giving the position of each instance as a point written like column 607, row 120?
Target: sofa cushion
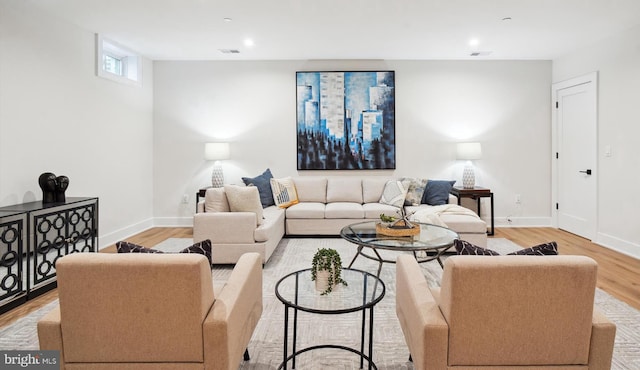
column 203, row 247
column 372, row 189
column 373, row 210
column 284, row 192
column 244, row 199
column 311, row 189
column 464, row 223
column 272, row 225
column 457, row 221
column 215, row 200
column 415, row 190
column 344, row 210
column 262, row 182
column 344, row 190
column 436, row 192
column 306, row 210
column 393, row 194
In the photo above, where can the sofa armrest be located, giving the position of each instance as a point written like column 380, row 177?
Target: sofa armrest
column 425, row 329
column 50, row 333
column 234, row 315
column 603, row 334
column 225, row 227
column 200, row 207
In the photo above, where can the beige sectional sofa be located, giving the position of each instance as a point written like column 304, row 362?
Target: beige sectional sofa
column 325, row 205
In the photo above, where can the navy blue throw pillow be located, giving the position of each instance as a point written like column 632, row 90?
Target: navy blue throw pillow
column 436, row 193
column 263, row 183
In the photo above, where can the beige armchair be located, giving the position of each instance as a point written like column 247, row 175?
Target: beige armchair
column 151, row 311
column 506, row 312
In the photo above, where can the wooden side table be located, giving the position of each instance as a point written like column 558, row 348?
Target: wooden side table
column 476, row 193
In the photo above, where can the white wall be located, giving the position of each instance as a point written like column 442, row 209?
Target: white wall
column 503, row 104
column 57, row 116
column 617, row 61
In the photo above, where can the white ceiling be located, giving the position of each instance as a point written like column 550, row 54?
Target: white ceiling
column 349, row 29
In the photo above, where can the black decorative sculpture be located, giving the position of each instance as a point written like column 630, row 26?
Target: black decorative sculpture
column 62, row 183
column 53, row 187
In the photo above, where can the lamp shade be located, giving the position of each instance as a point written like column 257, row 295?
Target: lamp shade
column 469, row 151
column 216, row 151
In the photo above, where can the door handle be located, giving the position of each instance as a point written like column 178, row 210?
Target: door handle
column 588, row 172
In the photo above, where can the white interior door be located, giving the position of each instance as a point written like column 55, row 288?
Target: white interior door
column 576, row 155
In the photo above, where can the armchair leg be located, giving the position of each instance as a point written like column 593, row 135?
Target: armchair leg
column 246, row 355
column 410, row 359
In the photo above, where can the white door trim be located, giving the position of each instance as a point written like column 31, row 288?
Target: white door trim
column 588, row 78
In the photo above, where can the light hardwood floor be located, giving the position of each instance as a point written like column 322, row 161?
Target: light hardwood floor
column 618, row 274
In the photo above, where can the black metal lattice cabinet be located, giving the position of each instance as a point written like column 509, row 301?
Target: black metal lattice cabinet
column 33, row 236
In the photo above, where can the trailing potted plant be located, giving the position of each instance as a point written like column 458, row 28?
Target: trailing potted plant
column 326, row 270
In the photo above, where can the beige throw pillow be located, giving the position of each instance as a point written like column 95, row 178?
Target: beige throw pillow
column 244, row 199
column 215, row 200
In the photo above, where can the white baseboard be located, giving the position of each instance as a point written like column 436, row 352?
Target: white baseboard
column 520, row 221
column 619, row 245
column 112, row 238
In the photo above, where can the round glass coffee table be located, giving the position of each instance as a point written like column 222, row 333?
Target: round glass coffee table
column 297, row 291
column 432, row 240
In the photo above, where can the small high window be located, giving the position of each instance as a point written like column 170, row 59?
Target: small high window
column 117, row 63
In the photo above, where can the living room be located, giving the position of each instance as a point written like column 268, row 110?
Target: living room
column 140, row 149
column 155, row 134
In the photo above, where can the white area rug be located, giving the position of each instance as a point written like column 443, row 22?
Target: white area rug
column 390, row 351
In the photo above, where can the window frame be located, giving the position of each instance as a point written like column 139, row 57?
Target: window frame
column 130, row 62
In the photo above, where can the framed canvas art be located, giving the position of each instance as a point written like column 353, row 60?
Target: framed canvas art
column 346, row 120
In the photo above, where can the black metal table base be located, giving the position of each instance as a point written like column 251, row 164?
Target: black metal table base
column 292, row 357
column 432, row 254
column 330, row 346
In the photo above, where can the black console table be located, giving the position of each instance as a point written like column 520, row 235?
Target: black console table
column 32, row 238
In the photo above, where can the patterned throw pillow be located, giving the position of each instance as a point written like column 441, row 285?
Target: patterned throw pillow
column 284, row 192
column 466, row 248
column 393, row 194
column 545, row 249
column 415, row 190
column 204, row 248
column 263, row 183
column 127, row 247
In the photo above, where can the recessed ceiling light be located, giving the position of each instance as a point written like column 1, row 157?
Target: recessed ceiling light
column 248, row 42
column 227, row 19
column 473, row 42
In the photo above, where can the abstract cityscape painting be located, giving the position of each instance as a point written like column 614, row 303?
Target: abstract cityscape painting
column 346, row 120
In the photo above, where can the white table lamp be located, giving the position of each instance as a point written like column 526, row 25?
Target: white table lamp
column 469, row 152
column 216, row 152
